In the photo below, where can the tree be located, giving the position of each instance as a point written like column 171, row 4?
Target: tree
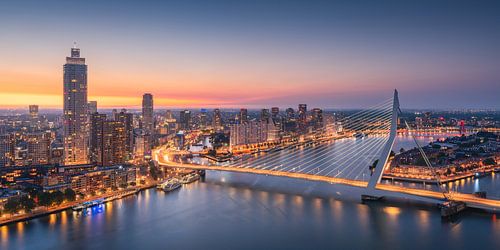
column 12, row 206
column 57, row 197
column 489, row 161
column 44, row 199
column 402, row 150
column 27, row 203
column 69, row 194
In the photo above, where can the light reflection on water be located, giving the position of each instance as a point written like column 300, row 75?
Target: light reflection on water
column 273, row 210
column 237, row 211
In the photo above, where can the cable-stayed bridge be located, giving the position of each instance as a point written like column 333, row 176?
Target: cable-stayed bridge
column 353, row 151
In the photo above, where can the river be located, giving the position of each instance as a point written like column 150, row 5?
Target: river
column 244, row 211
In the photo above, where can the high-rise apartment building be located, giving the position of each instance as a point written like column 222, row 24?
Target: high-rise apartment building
column 127, row 119
column 75, row 117
column 107, row 141
column 248, row 133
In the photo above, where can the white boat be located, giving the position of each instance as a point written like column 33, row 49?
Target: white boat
column 87, row 204
column 172, row 185
column 190, row 178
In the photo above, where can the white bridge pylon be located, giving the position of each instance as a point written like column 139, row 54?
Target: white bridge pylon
column 385, row 154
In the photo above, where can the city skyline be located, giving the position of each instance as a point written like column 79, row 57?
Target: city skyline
column 256, row 54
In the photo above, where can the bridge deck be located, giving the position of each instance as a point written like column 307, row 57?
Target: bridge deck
column 385, row 189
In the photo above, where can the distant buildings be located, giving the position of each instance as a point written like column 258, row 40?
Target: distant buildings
column 217, row 120
column 75, row 117
column 203, row 119
column 185, row 120
column 317, row 118
column 92, row 107
column 243, row 116
column 33, row 109
column 302, row 117
column 275, row 111
column 264, row 115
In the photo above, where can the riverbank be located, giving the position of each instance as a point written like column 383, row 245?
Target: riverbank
column 44, row 211
column 484, row 173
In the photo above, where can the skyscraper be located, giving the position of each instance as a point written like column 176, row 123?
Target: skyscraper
column 147, row 113
column 147, row 123
column 75, row 117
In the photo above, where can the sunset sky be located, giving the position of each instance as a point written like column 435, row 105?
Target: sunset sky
column 331, row 54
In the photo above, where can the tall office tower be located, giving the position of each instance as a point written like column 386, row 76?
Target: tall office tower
column 33, row 111
column 127, row 119
column 75, row 117
column 96, row 137
column 302, row 116
column 317, row 118
column 243, row 117
column 92, row 107
column 275, row 111
column 217, row 119
column 264, row 115
column 185, row 119
column 203, row 118
column 147, row 123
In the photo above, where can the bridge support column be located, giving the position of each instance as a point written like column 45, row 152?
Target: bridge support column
column 371, row 192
